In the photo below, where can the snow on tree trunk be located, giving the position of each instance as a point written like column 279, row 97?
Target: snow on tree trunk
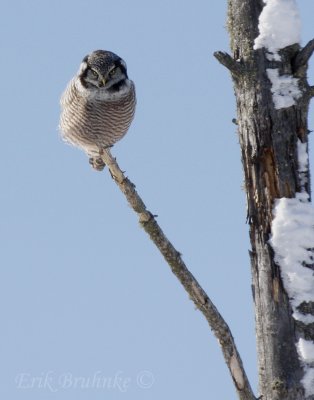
column 268, row 68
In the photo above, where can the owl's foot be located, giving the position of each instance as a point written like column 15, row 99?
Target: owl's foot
column 97, row 163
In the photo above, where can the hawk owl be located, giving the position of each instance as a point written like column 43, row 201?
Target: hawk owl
column 98, row 105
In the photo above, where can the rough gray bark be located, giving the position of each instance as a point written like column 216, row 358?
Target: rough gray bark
column 268, row 139
column 197, row 294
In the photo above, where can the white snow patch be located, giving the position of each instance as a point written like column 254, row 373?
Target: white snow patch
column 284, row 88
column 303, row 157
column 308, row 381
column 306, row 350
column 292, row 239
column 279, row 26
column 303, row 161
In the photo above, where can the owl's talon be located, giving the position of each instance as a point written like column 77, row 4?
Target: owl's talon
column 97, row 163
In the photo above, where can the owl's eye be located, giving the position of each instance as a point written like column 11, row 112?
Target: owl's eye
column 113, row 71
column 91, row 73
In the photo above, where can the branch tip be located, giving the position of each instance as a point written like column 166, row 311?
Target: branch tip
column 303, row 56
column 227, row 61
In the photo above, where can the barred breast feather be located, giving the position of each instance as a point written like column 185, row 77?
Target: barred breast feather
column 93, row 120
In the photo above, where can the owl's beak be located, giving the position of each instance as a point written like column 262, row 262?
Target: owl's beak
column 102, row 80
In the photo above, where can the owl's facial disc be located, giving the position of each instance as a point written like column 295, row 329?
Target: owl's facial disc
column 95, row 78
column 116, row 78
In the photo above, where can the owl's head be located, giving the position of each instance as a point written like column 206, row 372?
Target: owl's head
column 103, row 70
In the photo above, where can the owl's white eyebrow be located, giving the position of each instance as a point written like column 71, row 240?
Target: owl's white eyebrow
column 94, row 70
column 83, row 66
column 123, row 63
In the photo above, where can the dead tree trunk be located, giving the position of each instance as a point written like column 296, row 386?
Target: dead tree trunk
column 268, row 139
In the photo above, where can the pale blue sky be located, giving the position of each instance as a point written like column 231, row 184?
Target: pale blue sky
column 83, row 291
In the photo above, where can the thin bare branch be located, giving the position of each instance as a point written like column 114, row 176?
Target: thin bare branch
column 227, row 61
column 197, row 294
column 303, row 56
column 311, row 91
